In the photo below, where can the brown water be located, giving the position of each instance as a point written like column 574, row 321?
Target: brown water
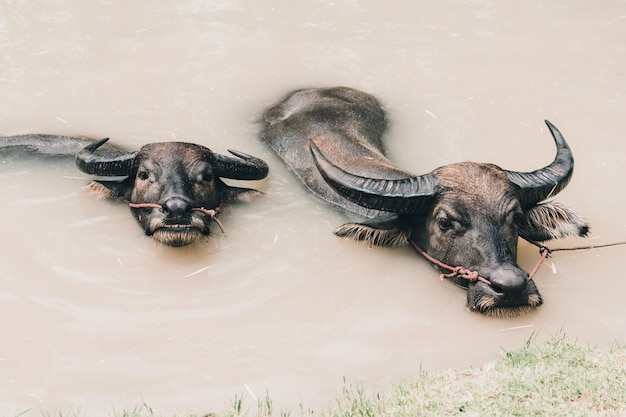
column 94, row 315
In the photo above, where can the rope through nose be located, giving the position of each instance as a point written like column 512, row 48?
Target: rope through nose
column 455, row 271
column 212, row 213
column 472, row 276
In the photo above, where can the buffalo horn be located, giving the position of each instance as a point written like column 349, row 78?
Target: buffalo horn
column 244, row 167
column 548, row 181
column 405, row 195
column 104, row 165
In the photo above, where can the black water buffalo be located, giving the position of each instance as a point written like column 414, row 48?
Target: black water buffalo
column 464, row 214
column 174, row 189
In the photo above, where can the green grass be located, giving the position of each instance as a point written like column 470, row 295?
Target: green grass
column 557, row 377
column 554, row 378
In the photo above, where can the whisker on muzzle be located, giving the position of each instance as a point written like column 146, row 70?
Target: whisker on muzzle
column 212, row 213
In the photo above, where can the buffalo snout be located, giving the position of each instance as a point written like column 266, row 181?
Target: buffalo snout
column 508, row 280
column 509, row 293
column 177, row 206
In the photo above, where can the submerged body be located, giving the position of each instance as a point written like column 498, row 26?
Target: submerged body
column 174, row 189
column 465, row 214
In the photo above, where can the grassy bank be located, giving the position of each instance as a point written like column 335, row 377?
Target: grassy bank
column 554, row 378
column 558, row 377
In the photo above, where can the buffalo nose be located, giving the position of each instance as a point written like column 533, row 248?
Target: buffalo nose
column 177, row 205
column 509, row 280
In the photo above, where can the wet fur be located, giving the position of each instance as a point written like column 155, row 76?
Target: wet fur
column 486, row 305
column 504, row 312
column 98, row 190
column 485, row 208
column 187, row 172
column 373, row 236
column 550, row 220
column 489, row 302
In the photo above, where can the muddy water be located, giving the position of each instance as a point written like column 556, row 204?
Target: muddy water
column 94, row 315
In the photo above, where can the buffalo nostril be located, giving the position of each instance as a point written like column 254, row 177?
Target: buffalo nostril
column 177, row 206
column 509, row 281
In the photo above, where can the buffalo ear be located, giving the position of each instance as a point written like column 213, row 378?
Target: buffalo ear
column 381, row 231
column 546, row 221
column 110, row 189
column 230, row 194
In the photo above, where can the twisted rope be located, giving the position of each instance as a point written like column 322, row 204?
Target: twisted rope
column 545, row 251
column 212, row 213
column 455, row 271
column 473, row 276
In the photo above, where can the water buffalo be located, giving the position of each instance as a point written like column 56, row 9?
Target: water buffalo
column 174, row 189
column 464, row 214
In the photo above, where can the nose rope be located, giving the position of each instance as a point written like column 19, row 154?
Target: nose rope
column 588, row 247
column 545, row 251
column 212, row 213
column 472, row 276
column 455, row 271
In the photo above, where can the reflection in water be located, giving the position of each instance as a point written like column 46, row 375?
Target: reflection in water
column 93, row 313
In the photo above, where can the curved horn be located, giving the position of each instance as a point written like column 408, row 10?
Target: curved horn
column 405, row 195
column 106, row 165
column 244, row 167
column 548, row 181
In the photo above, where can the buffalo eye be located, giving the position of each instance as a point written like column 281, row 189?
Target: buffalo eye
column 518, row 218
column 444, row 223
column 142, row 175
column 207, row 176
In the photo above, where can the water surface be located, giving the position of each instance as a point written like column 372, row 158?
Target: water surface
column 93, row 314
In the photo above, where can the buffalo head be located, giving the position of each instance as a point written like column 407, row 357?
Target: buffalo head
column 468, row 214
column 171, row 186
